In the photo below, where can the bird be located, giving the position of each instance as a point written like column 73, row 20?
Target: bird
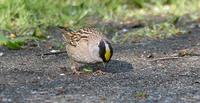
column 86, row 46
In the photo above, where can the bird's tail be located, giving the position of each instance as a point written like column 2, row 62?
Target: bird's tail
column 66, row 32
column 65, row 29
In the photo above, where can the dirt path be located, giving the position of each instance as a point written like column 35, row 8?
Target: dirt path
column 135, row 74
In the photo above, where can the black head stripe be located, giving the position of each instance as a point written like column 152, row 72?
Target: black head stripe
column 102, row 50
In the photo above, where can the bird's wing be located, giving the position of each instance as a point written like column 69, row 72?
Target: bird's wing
column 73, row 37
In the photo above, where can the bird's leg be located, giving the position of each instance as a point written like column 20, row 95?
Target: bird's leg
column 74, row 68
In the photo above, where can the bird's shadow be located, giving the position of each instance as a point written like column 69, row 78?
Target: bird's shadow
column 116, row 66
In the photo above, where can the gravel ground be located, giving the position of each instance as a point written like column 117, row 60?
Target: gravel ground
column 139, row 72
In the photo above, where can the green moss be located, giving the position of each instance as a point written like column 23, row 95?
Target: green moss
column 140, row 95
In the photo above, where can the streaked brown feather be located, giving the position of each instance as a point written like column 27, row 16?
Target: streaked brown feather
column 72, row 37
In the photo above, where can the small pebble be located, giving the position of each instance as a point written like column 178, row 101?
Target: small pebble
column 1, row 54
column 54, row 51
column 62, row 74
column 124, row 30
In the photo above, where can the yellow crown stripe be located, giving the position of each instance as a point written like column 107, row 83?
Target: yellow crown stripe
column 107, row 55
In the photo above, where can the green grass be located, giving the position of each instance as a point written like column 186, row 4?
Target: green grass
column 140, row 95
column 15, row 43
column 25, row 17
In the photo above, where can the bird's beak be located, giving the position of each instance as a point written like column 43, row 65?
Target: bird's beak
column 104, row 65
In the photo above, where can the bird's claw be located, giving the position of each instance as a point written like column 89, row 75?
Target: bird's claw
column 99, row 72
column 75, row 72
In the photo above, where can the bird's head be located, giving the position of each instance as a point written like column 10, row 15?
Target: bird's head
column 105, row 50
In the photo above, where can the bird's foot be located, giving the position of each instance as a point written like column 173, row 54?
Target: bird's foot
column 99, row 72
column 76, row 72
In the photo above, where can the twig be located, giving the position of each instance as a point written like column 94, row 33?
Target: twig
column 52, row 53
column 192, row 54
column 174, row 57
column 165, row 58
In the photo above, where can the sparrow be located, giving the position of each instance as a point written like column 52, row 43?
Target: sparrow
column 86, row 46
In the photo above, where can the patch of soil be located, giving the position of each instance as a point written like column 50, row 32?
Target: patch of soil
column 135, row 74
